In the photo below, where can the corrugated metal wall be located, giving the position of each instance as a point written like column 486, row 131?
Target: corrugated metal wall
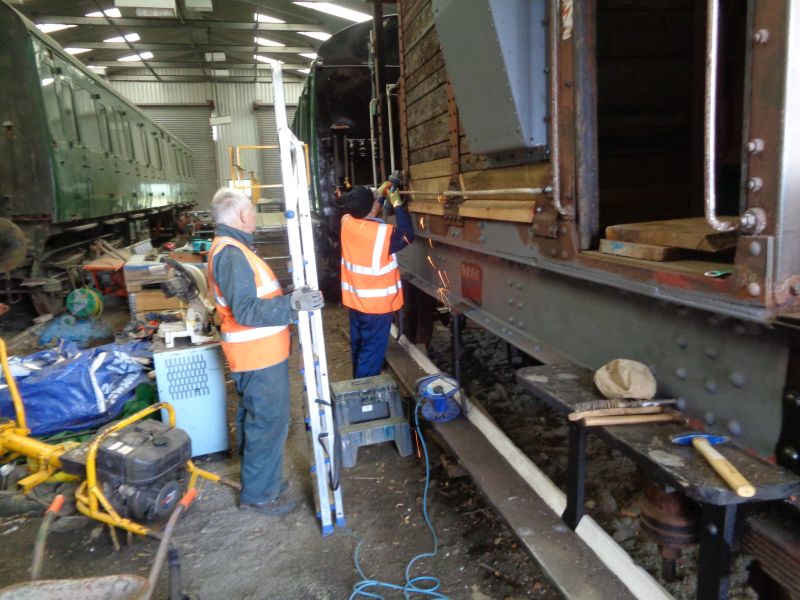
column 192, row 127
column 270, row 159
column 234, row 99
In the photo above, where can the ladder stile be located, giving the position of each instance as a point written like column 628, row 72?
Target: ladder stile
column 299, row 229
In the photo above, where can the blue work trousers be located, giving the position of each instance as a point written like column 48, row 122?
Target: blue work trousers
column 262, row 424
column 369, row 335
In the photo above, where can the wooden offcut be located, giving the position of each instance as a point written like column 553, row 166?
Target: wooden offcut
column 640, row 251
column 519, row 211
column 690, row 234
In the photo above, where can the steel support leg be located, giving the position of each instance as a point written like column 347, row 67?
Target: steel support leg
column 457, row 322
column 716, row 545
column 576, row 474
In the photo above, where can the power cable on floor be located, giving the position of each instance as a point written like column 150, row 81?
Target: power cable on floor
column 424, row 585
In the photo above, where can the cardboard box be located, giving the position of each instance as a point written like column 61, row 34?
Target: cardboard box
column 152, row 301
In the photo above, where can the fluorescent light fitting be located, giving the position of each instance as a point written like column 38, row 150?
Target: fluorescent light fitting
column 221, row 72
column 265, row 42
column 97, row 68
column 262, row 18
column 266, row 59
column 130, row 37
column 136, row 57
column 111, row 12
column 47, row 81
column 51, row 27
column 306, row 71
column 215, row 56
column 337, row 11
column 77, row 50
column 309, row 55
column 317, row 35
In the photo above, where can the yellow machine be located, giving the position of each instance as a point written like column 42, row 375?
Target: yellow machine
column 149, row 499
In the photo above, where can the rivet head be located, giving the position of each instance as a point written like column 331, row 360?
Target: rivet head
column 712, row 529
column 760, row 36
column 754, row 184
column 521, row 324
column 510, row 300
column 519, row 305
column 653, row 369
column 709, row 418
column 795, row 289
column 737, row 379
column 510, row 282
column 711, row 353
column 681, row 403
column 682, row 342
column 754, row 289
column 711, row 386
column 680, row 373
column 553, row 252
column 755, row 248
column 755, row 146
column 735, row 428
column 510, row 319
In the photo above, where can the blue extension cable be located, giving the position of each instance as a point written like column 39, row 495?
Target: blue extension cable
column 412, row 584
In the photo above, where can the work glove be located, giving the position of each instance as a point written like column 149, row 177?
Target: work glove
column 388, row 189
column 306, row 299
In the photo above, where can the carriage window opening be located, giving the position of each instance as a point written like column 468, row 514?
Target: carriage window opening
column 174, row 157
column 51, row 108
column 140, row 145
column 66, row 101
column 117, row 136
column 127, row 135
column 155, row 153
column 88, row 123
column 103, row 128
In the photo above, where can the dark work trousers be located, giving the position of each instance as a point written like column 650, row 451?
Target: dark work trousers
column 369, row 335
column 262, row 424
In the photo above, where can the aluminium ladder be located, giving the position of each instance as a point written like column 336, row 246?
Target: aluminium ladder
column 328, row 493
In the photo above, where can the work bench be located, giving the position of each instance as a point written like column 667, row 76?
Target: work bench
column 681, row 468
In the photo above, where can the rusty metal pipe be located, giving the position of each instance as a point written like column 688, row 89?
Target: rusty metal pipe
column 709, row 126
column 506, row 191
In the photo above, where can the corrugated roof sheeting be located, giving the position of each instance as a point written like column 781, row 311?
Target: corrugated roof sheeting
column 234, row 99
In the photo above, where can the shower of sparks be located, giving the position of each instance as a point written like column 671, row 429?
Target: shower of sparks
column 441, row 292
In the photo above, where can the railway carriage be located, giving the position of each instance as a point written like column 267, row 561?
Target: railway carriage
column 80, row 163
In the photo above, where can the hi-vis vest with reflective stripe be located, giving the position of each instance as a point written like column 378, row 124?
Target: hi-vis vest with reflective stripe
column 370, row 277
column 249, row 348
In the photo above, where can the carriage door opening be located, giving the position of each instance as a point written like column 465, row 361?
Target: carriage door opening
column 650, row 108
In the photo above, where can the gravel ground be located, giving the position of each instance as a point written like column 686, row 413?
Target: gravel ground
column 229, row 554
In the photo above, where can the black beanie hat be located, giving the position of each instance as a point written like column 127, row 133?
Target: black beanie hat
column 358, row 201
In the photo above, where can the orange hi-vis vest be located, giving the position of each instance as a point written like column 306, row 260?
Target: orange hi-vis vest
column 249, row 348
column 370, row 276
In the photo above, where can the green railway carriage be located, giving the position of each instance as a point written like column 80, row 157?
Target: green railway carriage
column 79, row 162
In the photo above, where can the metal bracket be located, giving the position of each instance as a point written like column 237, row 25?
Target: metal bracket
column 545, row 223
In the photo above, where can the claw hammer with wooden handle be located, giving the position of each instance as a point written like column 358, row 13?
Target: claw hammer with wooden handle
column 703, row 443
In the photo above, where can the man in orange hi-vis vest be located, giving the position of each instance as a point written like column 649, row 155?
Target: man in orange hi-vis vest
column 371, row 286
column 255, row 339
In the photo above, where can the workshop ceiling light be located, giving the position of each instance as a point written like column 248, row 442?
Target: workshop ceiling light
column 136, row 57
column 215, row 56
column 130, row 37
column 51, row 27
column 317, row 35
column 265, row 42
column 266, row 59
column 221, row 72
column 262, row 18
column 77, row 50
column 111, row 12
column 306, row 71
column 337, row 11
column 97, row 69
column 309, row 55
column 47, row 81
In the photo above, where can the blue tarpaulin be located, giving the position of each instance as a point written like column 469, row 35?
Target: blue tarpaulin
column 69, row 389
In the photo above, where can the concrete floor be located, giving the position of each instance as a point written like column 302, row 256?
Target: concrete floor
column 231, row 554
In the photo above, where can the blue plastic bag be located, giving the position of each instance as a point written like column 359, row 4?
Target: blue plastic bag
column 69, row 389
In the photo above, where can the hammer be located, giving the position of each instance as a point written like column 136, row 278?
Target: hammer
column 703, row 443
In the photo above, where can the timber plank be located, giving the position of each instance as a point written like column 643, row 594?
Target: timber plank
column 533, row 175
column 424, row 71
column 423, row 51
column 642, row 251
column 428, row 107
column 437, row 79
column 519, row 211
column 434, row 168
column 429, row 133
column 687, row 267
column 440, row 150
column 417, row 28
column 691, row 234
